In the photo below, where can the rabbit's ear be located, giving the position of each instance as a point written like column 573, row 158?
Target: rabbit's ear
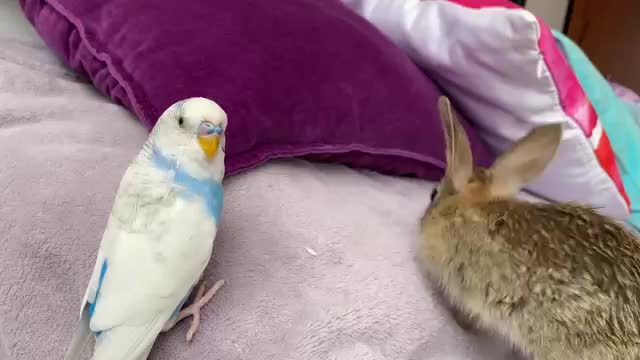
column 525, row 160
column 459, row 158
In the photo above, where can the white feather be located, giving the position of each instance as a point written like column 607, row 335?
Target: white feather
column 156, row 246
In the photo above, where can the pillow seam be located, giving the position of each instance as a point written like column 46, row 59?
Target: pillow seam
column 326, row 150
column 99, row 56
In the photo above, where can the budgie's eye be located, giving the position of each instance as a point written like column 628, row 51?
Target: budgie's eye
column 180, row 121
column 434, row 193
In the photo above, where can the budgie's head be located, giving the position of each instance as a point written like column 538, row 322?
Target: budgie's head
column 192, row 131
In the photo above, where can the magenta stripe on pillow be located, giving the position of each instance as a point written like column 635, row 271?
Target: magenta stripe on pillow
column 573, row 98
column 577, row 105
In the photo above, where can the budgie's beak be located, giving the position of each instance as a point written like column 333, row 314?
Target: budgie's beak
column 209, row 138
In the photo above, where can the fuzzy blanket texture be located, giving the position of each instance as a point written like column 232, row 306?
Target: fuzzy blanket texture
column 318, row 259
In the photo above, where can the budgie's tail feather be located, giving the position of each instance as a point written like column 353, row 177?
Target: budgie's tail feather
column 127, row 342
column 81, row 336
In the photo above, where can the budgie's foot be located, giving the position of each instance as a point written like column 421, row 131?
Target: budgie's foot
column 194, row 309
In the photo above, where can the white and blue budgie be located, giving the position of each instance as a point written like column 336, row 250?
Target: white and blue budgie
column 159, row 236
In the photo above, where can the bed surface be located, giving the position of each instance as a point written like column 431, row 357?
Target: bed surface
column 318, row 259
column 13, row 23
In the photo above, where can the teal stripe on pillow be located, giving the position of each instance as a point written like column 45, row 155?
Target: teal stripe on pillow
column 619, row 122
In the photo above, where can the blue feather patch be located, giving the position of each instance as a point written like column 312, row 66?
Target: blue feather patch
column 92, row 305
column 208, row 190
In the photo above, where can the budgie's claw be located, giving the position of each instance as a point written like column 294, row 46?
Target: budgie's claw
column 194, row 309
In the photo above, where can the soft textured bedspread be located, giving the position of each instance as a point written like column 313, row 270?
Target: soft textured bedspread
column 318, row 259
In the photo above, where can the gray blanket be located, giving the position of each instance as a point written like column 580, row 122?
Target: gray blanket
column 318, row 259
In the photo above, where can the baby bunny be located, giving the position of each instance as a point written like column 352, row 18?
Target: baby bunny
column 559, row 281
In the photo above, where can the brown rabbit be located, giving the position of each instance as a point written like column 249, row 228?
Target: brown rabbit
column 559, row 281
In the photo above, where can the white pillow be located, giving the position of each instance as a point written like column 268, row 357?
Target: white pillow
column 503, row 70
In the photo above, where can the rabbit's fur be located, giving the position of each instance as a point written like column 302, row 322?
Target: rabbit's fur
column 559, row 281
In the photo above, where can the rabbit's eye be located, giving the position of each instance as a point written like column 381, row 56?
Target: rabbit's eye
column 434, row 193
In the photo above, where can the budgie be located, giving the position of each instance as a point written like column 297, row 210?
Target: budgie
column 159, row 236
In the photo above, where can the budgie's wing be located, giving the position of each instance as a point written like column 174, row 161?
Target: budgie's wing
column 154, row 249
column 81, row 336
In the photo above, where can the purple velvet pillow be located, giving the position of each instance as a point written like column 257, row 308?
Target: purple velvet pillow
column 304, row 78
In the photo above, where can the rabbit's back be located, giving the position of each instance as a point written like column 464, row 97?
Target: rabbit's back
column 570, row 241
column 562, row 271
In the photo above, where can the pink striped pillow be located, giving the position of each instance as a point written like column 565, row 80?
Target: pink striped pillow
column 503, row 69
